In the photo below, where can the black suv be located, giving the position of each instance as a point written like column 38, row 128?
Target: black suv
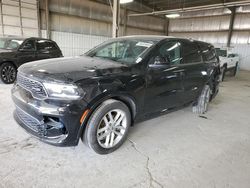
column 17, row 51
column 99, row 95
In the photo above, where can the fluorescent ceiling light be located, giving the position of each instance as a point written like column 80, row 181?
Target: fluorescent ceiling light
column 125, row 1
column 173, row 15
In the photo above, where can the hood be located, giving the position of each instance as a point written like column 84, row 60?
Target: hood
column 71, row 69
column 6, row 52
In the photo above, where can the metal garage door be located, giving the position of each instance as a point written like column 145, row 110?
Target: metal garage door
column 19, row 17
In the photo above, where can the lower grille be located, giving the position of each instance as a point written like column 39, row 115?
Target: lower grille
column 28, row 120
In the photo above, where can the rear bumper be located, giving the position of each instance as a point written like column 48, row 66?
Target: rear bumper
column 52, row 121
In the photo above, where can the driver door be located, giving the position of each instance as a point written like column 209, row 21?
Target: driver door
column 26, row 52
column 164, row 78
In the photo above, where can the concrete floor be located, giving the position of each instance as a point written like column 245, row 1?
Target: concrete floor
column 179, row 149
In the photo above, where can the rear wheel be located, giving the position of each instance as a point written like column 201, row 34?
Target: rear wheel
column 8, row 73
column 201, row 106
column 234, row 71
column 107, row 127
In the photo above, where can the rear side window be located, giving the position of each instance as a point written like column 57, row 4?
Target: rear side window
column 190, row 52
column 45, row 45
column 208, row 52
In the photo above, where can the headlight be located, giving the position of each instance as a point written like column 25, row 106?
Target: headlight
column 63, row 91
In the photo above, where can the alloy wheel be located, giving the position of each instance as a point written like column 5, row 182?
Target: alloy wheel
column 112, row 128
column 8, row 74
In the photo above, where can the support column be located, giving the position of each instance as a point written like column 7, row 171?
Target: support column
column 231, row 25
column 20, row 17
column 166, row 26
column 38, row 18
column 125, row 22
column 1, row 9
column 116, row 13
column 47, row 19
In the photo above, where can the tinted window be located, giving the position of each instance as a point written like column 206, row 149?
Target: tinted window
column 190, row 52
column 6, row 43
column 45, row 45
column 29, row 45
column 231, row 55
column 169, row 52
column 208, row 52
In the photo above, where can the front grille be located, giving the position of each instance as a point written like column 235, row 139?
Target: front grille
column 28, row 120
column 35, row 87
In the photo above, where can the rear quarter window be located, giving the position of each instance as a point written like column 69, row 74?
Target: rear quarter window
column 208, row 52
column 190, row 52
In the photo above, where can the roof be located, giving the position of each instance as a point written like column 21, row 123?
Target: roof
column 159, row 38
column 23, row 38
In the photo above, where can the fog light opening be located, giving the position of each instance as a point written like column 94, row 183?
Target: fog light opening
column 53, row 124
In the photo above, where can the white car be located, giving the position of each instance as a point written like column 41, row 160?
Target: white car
column 229, row 63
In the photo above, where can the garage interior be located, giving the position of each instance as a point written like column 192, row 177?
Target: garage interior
column 179, row 149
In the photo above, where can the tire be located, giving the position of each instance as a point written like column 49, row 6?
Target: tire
column 101, row 130
column 223, row 72
column 201, row 106
column 234, row 71
column 8, row 73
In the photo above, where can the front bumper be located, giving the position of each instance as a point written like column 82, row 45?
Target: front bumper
column 52, row 121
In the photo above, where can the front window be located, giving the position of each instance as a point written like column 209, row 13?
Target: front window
column 129, row 51
column 10, row 44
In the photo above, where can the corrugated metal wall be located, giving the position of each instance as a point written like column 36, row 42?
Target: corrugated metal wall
column 19, row 17
column 213, row 25
column 78, row 25
column 73, row 44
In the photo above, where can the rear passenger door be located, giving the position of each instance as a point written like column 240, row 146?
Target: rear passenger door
column 194, row 70
column 46, row 49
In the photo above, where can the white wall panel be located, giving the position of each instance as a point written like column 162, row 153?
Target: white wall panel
column 10, row 2
column 29, row 13
column 73, row 44
column 211, row 37
column 11, row 30
column 242, row 21
column 11, row 20
column 241, row 37
column 29, row 32
column 200, row 24
column 243, row 51
column 10, row 10
column 27, row 25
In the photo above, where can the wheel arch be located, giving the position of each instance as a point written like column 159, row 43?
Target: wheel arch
column 126, row 99
column 9, row 61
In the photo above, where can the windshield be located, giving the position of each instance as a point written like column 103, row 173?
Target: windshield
column 129, row 51
column 10, row 44
column 221, row 52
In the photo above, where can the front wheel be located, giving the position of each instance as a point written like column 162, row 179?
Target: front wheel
column 107, row 127
column 201, row 106
column 8, row 73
